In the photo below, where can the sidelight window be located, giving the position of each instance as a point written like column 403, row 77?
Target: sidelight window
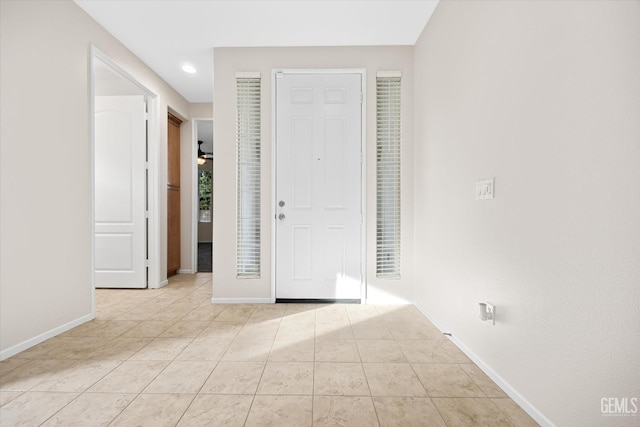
column 388, row 155
column 248, row 175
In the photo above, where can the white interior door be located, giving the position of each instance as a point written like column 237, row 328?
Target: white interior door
column 318, row 186
column 120, row 192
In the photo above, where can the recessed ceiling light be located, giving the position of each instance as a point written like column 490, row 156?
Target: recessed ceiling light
column 188, row 68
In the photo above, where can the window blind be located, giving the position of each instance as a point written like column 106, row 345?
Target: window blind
column 248, row 176
column 388, row 145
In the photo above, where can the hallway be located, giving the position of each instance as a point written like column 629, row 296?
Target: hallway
column 170, row 357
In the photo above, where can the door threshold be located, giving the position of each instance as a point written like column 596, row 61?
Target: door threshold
column 316, row 301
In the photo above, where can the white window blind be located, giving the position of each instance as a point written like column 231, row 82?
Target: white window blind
column 388, row 144
column 248, row 176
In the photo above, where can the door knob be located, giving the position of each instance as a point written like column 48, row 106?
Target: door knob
column 281, row 216
column 281, row 203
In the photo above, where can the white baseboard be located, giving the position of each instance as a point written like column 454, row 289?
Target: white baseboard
column 506, row 387
column 24, row 345
column 242, row 300
column 185, row 271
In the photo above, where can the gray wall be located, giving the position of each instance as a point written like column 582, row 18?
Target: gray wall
column 45, row 172
column 543, row 96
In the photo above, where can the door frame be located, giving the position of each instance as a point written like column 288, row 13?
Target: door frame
column 195, row 191
column 363, row 169
column 153, row 161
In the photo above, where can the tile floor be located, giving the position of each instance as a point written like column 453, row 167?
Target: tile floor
column 170, row 357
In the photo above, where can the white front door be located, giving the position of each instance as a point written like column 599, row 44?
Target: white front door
column 318, row 186
column 120, row 192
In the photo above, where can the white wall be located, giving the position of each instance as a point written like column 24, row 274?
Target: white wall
column 228, row 61
column 45, row 266
column 545, row 97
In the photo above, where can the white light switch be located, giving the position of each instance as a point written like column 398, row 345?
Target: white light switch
column 484, row 189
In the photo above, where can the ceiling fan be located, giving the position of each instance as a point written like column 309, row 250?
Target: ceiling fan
column 203, row 156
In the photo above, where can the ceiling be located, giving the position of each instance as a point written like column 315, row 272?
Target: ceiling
column 166, row 34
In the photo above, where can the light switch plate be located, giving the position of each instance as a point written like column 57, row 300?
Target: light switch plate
column 484, row 189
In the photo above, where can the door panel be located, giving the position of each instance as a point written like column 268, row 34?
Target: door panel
column 120, row 192
column 173, row 195
column 318, row 178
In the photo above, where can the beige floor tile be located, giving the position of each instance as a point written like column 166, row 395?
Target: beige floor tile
column 292, row 351
column 446, row 380
column 251, row 350
column 392, row 379
column 148, row 329
column 102, row 328
column 8, row 396
column 217, row 410
column 328, row 315
column 407, row 411
column 131, row 376
column 33, row 373
column 77, row 347
column 302, row 316
column 78, row 377
column 276, row 411
column 185, row 329
column 340, row 379
column 110, row 313
column 471, row 412
column 154, row 410
column 8, row 365
column 400, row 314
column 287, row 378
column 380, row 351
column 86, row 329
column 234, row 314
column 33, row 408
column 424, row 351
column 181, row 376
column 343, row 411
column 91, row 410
column 234, row 378
column 172, row 313
column 296, row 331
column 371, row 331
column 414, row 331
column 259, row 330
column 168, row 341
column 362, row 313
column 162, row 349
column 300, row 308
column 120, row 348
column 515, row 413
column 267, row 314
column 226, row 331
column 206, row 312
column 205, row 348
column 454, row 352
column 328, row 350
column 334, row 330
column 39, row 351
column 485, row 383
column 138, row 313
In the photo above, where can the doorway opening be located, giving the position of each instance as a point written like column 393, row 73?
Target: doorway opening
column 203, row 195
column 125, row 238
